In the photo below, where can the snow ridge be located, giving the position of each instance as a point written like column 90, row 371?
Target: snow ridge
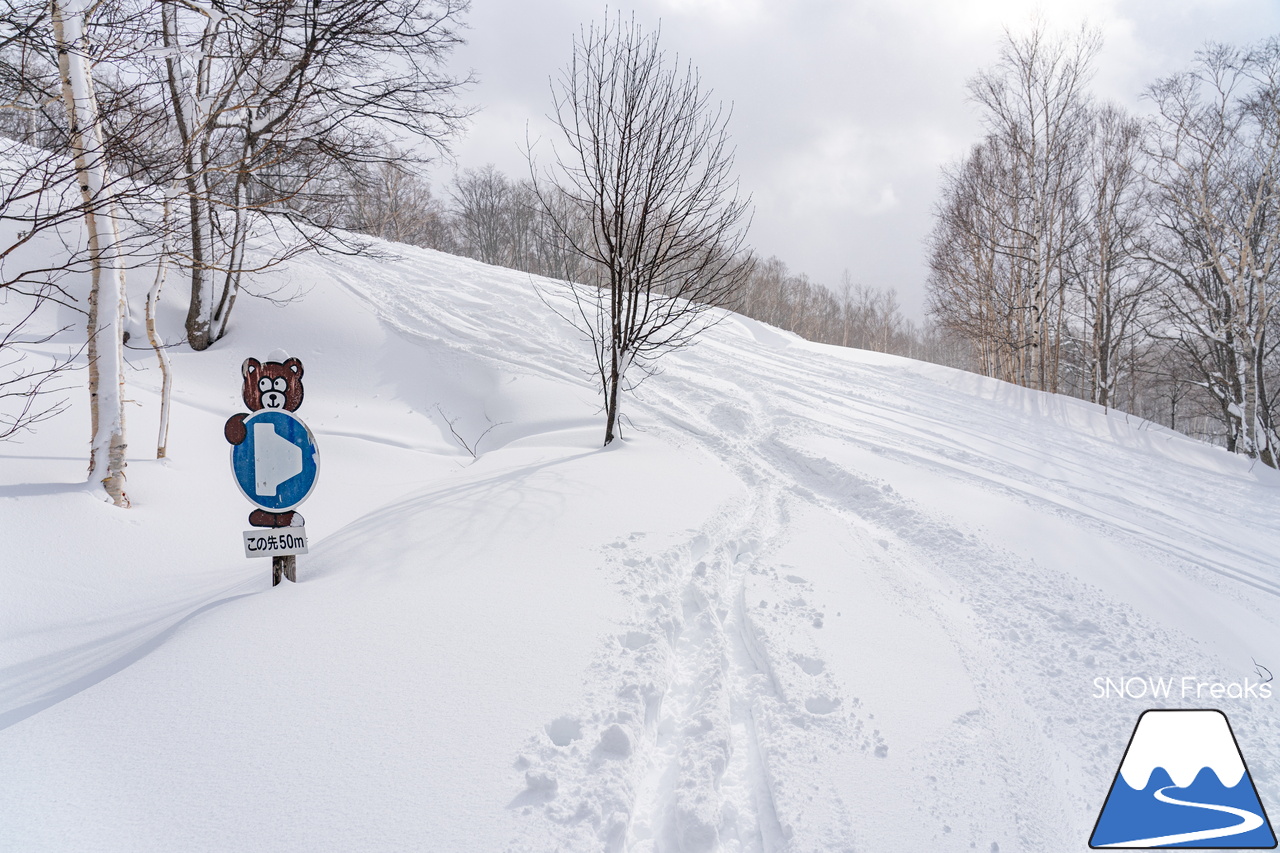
column 817, row 600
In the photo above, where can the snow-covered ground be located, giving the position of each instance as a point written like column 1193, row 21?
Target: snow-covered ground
column 817, row 600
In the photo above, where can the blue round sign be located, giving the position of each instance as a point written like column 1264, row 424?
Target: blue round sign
column 277, row 463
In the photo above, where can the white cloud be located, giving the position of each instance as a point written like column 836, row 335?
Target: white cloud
column 736, row 12
column 835, row 171
column 844, row 110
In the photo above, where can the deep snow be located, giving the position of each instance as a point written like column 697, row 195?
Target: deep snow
column 818, row 599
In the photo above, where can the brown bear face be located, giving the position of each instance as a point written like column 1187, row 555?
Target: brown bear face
column 272, row 385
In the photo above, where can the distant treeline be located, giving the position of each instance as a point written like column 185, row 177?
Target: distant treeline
column 1131, row 261
column 1077, row 249
column 496, row 219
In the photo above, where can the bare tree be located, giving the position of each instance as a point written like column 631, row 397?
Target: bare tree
column 1215, row 161
column 1110, row 280
column 870, row 318
column 391, row 201
column 502, row 221
column 977, row 288
column 645, row 158
column 856, row 315
column 1074, row 249
column 153, row 335
column 1035, row 104
column 488, row 223
column 559, row 225
column 764, row 294
column 57, row 186
column 25, row 390
column 40, row 195
column 268, row 97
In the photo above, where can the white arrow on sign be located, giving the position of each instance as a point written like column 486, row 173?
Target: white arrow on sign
column 274, row 459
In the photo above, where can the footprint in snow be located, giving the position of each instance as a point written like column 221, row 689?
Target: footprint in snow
column 564, row 730
column 634, row 640
column 811, row 666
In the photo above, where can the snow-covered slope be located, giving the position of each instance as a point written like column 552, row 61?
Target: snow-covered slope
column 818, row 599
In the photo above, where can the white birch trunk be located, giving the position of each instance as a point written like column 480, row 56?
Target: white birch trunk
column 153, row 298
column 107, row 294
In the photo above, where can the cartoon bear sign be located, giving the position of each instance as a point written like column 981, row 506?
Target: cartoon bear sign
column 274, row 456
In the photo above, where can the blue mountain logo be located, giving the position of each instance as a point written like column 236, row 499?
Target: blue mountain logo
column 1183, row 783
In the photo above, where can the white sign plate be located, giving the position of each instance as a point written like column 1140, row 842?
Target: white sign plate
column 275, row 541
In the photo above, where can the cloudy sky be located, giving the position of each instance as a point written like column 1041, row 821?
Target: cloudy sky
column 844, row 110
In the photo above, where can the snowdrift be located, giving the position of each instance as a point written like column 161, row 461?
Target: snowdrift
column 816, row 600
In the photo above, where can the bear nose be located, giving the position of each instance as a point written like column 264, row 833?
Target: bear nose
column 273, row 400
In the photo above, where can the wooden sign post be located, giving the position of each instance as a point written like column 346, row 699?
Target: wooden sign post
column 288, row 566
column 275, row 461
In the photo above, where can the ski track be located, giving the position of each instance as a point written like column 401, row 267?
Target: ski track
column 1015, row 629
column 713, row 773
column 692, row 705
column 701, row 717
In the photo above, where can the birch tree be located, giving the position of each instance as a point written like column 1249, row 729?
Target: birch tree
column 1215, row 163
column 269, row 96
column 1109, row 276
column 107, row 269
column 976, row 290
column 1035, row 103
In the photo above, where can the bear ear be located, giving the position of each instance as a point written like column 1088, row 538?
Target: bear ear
column 295, row 365
column 251, row 365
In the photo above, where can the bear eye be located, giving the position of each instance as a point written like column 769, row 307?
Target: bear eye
column 264, row 384
column 281, row 384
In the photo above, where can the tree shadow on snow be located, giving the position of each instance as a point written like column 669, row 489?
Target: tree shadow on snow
column 12, row 678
